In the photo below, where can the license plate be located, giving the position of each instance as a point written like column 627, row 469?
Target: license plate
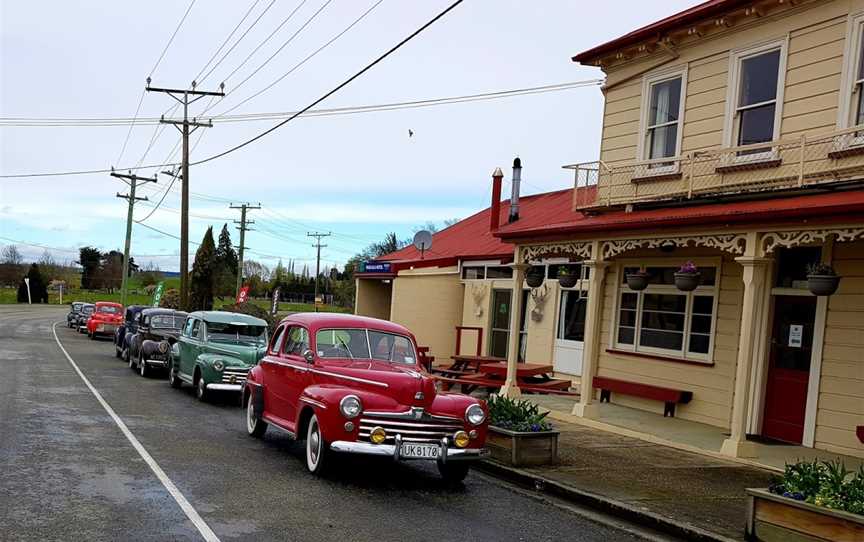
column 420, row 451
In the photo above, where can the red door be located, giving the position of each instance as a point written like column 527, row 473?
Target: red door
column 789, row 367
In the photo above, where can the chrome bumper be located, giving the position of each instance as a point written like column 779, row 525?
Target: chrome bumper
column 448, row 453
column 225, row 387
column 159, row 362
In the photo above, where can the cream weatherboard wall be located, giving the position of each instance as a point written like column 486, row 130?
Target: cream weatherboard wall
column 428, row 301
column 372, row 298
column 711, row 384
column 816, row 34
column 841, row 393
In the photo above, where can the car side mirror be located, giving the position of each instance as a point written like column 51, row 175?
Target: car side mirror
column 309, row 356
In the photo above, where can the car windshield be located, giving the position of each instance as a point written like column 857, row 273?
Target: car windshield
column 108, row 309
column 76, row 307
column 236, row 333
column 87, row 310
column 166, row 321
column 364, row 344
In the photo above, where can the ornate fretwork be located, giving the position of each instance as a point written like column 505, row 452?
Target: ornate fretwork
column 732, row 242
column 574, row 249
column 787, row 239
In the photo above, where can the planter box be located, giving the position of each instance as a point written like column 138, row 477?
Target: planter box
column 773, row 518
column 522, row 449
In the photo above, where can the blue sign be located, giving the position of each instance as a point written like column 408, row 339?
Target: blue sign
column 375, row 267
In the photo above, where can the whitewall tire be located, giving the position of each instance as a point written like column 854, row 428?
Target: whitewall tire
column 255, row 426
column 316, row 448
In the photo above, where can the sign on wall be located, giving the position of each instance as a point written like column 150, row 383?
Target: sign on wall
column 374, row 267
column 796, row 335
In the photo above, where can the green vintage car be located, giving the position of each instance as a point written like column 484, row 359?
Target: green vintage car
column 215, row 351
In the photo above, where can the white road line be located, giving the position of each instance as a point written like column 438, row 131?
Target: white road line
column 187, row 508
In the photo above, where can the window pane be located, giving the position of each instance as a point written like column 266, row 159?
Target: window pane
column 389, row 347
column 709, row 275
column 759, row 78
column 859, row 115
column 792, row 265
column 665, row 302
column 573, row 268
column 661, row 275
column 626, row 335
column 703, row 304
column 662, row 321
column 573, row 317
column 662, row 141
column 701, row 324
column 498, row 344
column 757, row 125
column 665, row 102
column 626, row 271
column 501, row 309
column 699, row 343
column 861, row 55
column 627, row 318
column 668, row 340
column 628, row 300
column 499, row 272
column 473, row 273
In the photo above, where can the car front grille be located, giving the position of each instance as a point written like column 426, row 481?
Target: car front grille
column 426, row 429
column 234, row 375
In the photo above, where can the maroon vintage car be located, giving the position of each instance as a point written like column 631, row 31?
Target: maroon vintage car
column 354, row 384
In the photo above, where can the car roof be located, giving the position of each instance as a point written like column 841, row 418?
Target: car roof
column 320, row 320
column 162, row 310
column 224, row 317
column 108, row 304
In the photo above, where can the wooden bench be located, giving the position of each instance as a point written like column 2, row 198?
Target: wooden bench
column 669, row 396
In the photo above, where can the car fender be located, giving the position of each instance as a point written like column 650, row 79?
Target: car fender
column 204, row 362
column 324, row 400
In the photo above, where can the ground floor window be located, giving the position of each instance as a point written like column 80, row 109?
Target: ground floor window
column 571, row 320
column 664, row 320
column 500, row 325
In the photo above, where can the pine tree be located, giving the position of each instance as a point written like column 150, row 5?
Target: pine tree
column 225, row 265
column 38, row 288
column 203, row 277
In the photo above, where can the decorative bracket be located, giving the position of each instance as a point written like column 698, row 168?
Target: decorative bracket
column 578, row 250
column 732, row 242
column 788, row 239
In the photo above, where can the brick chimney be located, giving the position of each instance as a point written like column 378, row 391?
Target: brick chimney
column 495, row 209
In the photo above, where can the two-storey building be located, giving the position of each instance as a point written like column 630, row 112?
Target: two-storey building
column 732, row 139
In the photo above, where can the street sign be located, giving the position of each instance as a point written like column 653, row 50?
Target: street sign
column 274, row 307
column 243, row 295
column 157, row 294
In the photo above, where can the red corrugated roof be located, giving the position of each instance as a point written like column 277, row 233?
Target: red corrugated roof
column 656, row 29
column 831, row 205
column 471, row 239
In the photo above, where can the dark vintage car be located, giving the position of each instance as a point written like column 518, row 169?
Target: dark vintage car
column 354, row 385
column 74, row 312
column 126, row 328
column 82, row 317
column 150, row 345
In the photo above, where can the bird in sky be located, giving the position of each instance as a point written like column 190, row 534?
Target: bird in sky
column 410, row 133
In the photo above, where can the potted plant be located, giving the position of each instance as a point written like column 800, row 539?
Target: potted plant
column 812, row 500
column 688, row 277
column 535, row 275
column 822, row 279
column 637, row 280
column 566, row 277
column 519, row 434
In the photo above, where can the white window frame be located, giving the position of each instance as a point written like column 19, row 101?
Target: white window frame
column 731, row 124
column 485, row 264
column 649, row 80
column 683, row 354
column 848, row 81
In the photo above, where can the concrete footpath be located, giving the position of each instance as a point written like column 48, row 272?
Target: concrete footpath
column 685, row 494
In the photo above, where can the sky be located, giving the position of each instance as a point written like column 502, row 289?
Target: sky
column 357, row 176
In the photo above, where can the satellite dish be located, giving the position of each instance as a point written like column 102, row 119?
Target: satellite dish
column 423, row 241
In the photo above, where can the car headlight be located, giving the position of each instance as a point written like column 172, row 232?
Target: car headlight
column 218, row 365
column 474, row 414
column 350, row 406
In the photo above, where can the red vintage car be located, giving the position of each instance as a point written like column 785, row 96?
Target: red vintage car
column 105, row 319
column 353, row 384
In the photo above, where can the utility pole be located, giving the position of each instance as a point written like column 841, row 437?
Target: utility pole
column 244, row 227
column 133, row 181
column 318, row 236
column 185, row 97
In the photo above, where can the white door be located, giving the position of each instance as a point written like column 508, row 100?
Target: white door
column 570, row 337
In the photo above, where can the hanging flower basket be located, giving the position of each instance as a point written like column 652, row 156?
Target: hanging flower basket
column 535, row 276
column 567, row 278
column 637, row 281
column 822, row 280
column 688, row 277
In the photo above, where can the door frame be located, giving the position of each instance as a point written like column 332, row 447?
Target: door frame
column 760, row 366
column 559, row 320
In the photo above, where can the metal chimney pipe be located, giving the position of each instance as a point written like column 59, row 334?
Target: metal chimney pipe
column 514, row 195
column 495, row 209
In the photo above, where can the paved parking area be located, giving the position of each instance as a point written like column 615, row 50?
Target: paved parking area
column 69, row 473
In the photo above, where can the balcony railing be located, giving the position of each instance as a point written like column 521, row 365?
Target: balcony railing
column 776, row 165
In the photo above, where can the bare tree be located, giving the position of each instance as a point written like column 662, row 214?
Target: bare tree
column 11, row 255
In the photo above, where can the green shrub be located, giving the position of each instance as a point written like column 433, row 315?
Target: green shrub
column 516, row 415
column 823, row 483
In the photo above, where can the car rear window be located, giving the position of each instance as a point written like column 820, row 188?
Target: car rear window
column 108, row 309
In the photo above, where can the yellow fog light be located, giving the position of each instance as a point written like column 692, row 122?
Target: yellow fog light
column 461, row 439
column 378, row 435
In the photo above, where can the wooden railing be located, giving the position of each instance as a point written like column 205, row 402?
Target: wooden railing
column 776, row 165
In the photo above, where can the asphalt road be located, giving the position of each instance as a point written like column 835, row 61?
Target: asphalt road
column 67, row 472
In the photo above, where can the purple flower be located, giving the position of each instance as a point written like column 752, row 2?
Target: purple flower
column 688, row 267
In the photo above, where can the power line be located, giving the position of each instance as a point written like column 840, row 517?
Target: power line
column 170, row 40
column 131, row 125
column 224, row 43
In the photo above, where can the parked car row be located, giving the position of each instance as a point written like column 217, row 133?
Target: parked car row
column 343, row 384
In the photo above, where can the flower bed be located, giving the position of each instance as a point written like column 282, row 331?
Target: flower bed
column 519, row 434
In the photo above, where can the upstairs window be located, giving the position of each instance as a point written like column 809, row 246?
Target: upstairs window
column 662, row 113
column 756, row 97
column 852, row 85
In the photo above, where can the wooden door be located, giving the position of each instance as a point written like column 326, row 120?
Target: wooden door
column 789, row 367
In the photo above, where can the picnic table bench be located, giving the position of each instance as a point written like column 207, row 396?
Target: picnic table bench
column 530, row 377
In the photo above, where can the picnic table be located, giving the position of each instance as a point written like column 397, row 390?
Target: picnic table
column 491, row 373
